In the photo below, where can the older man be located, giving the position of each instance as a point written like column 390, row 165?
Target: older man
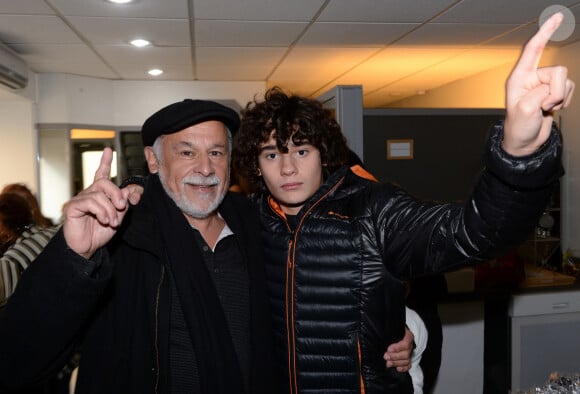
column 166, row 297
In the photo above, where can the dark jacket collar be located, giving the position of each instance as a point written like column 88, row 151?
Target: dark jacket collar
column 342, row 182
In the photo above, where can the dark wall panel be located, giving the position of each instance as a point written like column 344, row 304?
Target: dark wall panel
column 448, row 148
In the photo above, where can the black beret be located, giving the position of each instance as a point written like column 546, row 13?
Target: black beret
column 183, row 114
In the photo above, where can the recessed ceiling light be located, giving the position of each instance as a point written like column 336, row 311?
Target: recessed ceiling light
column 120, row 1
column 155, row 72
column 139, row 43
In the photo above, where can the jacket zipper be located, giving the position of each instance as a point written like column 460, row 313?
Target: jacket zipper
column 290, row 266
column 290, row 315
column 156, row 343
column 360, row 373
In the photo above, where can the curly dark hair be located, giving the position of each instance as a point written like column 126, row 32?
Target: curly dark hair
column 293, row 117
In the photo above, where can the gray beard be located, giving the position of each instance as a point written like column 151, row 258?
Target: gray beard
column 187, row 207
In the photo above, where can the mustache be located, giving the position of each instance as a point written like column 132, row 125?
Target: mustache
column 211, row 180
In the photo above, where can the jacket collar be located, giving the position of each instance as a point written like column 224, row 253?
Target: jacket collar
column 348, row 178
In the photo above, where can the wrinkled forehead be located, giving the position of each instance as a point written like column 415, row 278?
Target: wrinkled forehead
column 212, row 131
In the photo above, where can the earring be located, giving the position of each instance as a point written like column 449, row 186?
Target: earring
column 258, row 172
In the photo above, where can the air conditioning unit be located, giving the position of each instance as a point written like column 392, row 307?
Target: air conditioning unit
column 13, row 69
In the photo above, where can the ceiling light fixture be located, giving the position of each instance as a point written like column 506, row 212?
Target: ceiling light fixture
column 155, row 72
column 120, row 1
column 140, row 43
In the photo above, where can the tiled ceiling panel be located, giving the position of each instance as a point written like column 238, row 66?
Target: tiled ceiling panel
column 345, row 34
column 304, row 46
column 210, row 33
column 162, row 9
column 257, row 10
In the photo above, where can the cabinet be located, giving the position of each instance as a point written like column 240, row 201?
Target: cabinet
column 544, row 337
column 543, row 246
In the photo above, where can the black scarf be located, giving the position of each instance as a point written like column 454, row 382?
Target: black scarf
column 219, row 371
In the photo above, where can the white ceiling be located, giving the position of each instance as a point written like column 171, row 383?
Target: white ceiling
column 394, row 48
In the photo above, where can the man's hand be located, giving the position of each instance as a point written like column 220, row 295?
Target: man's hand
column 92, row 217
column 533, row 95
column 399, row 354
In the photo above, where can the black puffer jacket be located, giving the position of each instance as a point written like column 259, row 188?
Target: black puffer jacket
column 337, row 290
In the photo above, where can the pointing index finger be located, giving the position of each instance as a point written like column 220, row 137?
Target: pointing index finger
column 105, row 165
column 533, row 50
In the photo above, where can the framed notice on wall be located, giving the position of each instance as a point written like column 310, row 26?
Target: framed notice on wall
column 400, row 149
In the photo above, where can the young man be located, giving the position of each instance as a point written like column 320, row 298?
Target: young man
column 168, row 297
column 338, row 246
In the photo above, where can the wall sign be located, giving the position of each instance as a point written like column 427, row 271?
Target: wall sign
column 400, row 149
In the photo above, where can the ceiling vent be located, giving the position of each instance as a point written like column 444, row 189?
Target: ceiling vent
column 13, row 70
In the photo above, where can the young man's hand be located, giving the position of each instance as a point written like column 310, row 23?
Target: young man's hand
column 533, row 95
column 399, row 354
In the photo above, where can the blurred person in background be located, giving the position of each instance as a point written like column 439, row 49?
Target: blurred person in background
column 21, row 240
column 22, row 190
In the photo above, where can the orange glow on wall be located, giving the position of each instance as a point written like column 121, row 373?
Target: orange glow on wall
column 91, row 134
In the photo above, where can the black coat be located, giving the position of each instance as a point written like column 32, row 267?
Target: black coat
column 336, row 281
column 117, row 315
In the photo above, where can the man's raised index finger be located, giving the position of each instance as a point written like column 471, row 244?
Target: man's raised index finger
column 533, row 50
column 105, row 165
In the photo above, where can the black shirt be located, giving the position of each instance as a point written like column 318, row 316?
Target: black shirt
column 229, row 273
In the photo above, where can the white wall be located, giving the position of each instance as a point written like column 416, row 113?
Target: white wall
column 462, row 352
column 55, row 172
column 18, row 138
column 18, row 142
column 135, row 101
column 64, row 98
column 484, row 90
